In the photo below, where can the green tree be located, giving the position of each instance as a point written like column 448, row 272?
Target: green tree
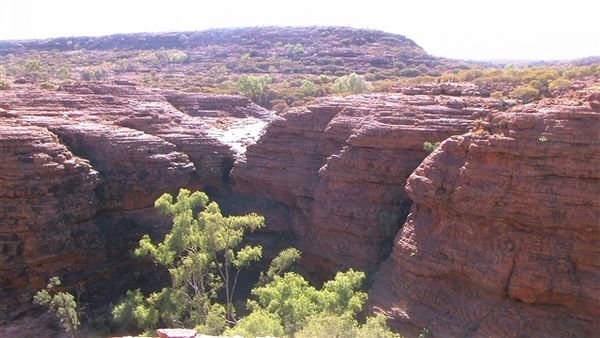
column 203, row 256
column 525, row 93
column 309, row 88
column 293, row 300
column 291, row 304
column 259, row 323
column 63, row 305
column 280, row 264
column 351, row 84
column 255, row 87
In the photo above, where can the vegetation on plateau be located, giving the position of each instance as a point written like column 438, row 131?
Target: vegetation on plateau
column 281, row 73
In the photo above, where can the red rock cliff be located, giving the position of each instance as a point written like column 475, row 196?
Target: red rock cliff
column 503, row 239
column 336, row 170
column 80, row 169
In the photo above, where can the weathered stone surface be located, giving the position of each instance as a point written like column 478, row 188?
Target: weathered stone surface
column 338, row 168
column 45, row 193
column 503, row 238
column 80, row 169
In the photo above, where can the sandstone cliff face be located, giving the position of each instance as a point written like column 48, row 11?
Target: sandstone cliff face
column 80, row 169
column 336, row 170
column 503, row 237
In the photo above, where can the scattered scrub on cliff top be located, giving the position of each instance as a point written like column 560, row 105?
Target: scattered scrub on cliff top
column 524, row 83
column 204, row 254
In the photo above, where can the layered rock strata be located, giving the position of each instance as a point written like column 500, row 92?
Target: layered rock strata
column 80, row 169
column 503, row 238
column 336, row 169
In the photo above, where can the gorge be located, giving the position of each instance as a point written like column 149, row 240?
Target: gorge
column 495, row 233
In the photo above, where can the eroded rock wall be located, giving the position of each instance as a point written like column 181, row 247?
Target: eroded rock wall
column 80, row 169
column 503, row 238
column 337, row 169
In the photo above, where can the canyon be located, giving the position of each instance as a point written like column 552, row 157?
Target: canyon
column 503, row 215
column 493, row 234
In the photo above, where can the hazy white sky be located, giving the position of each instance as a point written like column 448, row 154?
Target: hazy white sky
column 515, row 29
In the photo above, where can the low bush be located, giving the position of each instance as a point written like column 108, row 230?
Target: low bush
column 351, row 84
column 5, row 84
column 525, row 93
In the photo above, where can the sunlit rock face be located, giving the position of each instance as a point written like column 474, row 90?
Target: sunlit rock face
column 80, row 169
column 503, row 237
column 336, row 170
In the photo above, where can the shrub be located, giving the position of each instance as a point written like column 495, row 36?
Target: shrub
column 525, row 93
column 257, row 324
column 48, row 85
column 429, row 147
column 309, row 88
column 351, row 84
column 255, row 87
column 329, row 325
column 90, row 74
column 559, row 85
column 290, row 306
column 409, row 72
column 63, row 73
column 294, row 51
column 498, row 94
column 5, row 84
column 34, row 69
column 63, row 305
column 293, row 300
column 203, row 257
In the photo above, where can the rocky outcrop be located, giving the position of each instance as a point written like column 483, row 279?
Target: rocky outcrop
column 80, row 169
column 336, row 170
column 46, row 201
column 503, row 238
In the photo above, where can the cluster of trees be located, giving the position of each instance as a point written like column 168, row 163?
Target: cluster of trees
column 259, row 89
column 204, row 254
column 521, row 83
